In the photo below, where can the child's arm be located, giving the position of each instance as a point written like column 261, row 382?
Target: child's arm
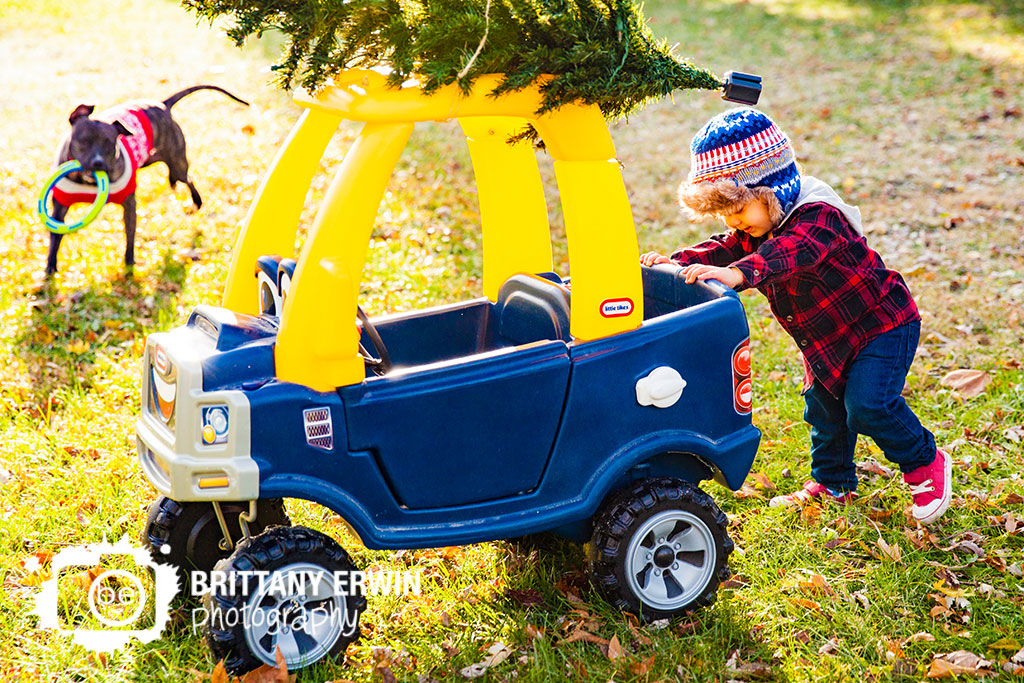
column 803, row 245
column 717, row 250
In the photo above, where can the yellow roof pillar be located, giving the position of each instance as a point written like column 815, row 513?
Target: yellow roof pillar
column 317, row 344
column 513, row 214
column 273, row 217
column 607, row 292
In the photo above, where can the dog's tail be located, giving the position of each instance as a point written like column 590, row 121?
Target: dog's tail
column 173, row 99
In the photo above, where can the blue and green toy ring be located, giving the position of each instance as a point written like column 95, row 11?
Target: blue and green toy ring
column 102, row 192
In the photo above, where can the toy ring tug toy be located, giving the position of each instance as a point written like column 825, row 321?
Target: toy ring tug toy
column 103, row 191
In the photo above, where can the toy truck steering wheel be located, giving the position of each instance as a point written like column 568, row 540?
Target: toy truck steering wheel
column 380, row 365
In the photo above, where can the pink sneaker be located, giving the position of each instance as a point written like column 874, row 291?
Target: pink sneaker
column 932, row 487
column 812, row 490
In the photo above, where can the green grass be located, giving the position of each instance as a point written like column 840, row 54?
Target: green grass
column 908, row 107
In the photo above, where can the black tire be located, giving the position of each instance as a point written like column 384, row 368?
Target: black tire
column 191, row 533
column 669, row 578
column 288, row 551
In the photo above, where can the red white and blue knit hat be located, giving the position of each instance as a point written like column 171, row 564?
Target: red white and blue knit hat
column 737, row 156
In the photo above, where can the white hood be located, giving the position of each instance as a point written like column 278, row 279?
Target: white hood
column 813, row 190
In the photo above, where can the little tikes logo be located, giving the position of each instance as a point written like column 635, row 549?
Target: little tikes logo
column 616, row 308
column 116, row 598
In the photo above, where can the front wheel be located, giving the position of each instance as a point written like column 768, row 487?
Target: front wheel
column 660, row 548
column 287, row 589
column 188, row 534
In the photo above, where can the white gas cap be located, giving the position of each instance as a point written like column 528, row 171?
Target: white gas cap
column 661, row 388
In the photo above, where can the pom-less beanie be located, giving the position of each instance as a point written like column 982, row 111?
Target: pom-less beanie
column 739, row 155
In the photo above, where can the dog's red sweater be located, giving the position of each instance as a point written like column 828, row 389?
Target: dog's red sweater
column 136, row 149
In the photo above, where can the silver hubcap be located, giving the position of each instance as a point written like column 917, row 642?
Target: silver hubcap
column 296, row 609
column 670, row 560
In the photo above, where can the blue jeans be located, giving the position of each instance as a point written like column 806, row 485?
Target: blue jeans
column 870, row 405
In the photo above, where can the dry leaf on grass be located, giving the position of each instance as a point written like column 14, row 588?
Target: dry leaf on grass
column 642, row 668
column 921, row 637
column 220, row 674
column 1005, row 644
column 889, row 552
column 967, row 383
column 496, row 654
column 763, row 481
column 831, row 647
column 614, row 648
column 958, row 663
column 740, row 669
column 267, row 674
column 580, row 634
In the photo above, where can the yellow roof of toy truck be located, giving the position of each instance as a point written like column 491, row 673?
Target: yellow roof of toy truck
column 317, row 342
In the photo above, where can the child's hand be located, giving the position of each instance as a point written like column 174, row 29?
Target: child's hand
column 652, row 258
column 730, row 277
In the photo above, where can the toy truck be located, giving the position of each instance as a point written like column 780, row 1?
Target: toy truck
column 591, row 406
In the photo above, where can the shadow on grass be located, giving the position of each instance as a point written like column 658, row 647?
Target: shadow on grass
column 66, row 331
column 550, row 592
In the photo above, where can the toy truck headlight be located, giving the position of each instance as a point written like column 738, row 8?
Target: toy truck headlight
column 215, row 424
column 163, row 386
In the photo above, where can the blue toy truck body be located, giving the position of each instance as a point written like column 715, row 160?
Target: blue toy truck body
column 494, row 423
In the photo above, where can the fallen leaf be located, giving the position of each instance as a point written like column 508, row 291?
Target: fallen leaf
column 580, row 634
column 921, row 637
column 614, row 648
column 816, row 584
column 497, row 653
column 525, row 598
column 831, row 647
column 956, row 663
column 967, row 383
column 737, row 667
column 806, row 604
column 747, row 491
column 763, row 481
column 220, row 674
column 875, row 468
column 534, row 632
column 1005, row 644
column 1010, row 667
column 889, row 552
column 641, row 668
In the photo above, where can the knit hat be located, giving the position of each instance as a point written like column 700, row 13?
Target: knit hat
column 737, row 156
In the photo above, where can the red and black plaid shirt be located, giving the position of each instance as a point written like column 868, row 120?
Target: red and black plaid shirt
column 829, row 290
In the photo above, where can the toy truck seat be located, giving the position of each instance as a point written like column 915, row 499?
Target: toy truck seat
column 531, row 308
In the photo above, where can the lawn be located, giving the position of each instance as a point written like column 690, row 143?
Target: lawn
column 912, row 110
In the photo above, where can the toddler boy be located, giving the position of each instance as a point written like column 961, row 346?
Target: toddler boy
column 854, row 320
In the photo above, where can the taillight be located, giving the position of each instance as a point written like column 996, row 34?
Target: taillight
column 742, row 387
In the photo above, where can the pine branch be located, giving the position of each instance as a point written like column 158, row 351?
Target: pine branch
column 597, row 52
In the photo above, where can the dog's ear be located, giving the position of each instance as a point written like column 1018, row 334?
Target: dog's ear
column 80, row 111
column 122, row 129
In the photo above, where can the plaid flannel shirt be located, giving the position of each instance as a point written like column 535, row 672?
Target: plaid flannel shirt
column 827, row 288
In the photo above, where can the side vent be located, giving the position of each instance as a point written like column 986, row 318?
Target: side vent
column 319, row 430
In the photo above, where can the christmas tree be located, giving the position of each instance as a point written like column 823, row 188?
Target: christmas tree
column 600, row 53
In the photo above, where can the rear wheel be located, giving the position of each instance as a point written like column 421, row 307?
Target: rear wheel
column 188, row 534
column 660, row 548
column 298, row 604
